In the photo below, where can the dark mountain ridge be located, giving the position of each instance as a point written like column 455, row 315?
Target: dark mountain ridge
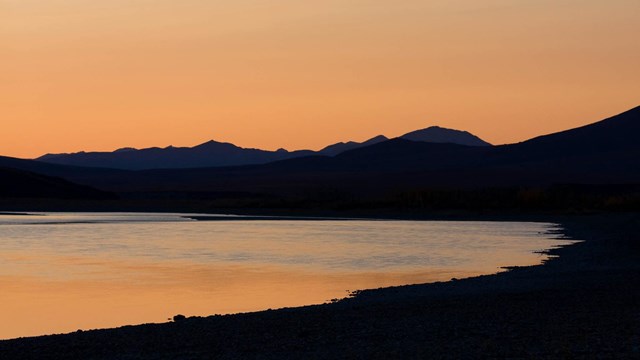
column 605, row 152
column 436, row 134
column 220, row 154
column 615, row 134
column 341, row 147
column 209, row 154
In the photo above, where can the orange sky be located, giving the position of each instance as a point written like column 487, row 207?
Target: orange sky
column 98, row 75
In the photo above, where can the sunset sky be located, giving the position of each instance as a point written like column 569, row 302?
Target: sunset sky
column 99, row 75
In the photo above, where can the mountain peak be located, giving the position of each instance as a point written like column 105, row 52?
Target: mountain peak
column 214, row 153
column 376, row 139
column 215, row 144
column 210, row 142
column 437, row 134
column 125, row 149
column 341, row 147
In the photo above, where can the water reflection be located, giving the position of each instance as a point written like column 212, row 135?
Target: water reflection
column 102, row 270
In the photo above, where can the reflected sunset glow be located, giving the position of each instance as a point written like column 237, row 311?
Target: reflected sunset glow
column 101, row 270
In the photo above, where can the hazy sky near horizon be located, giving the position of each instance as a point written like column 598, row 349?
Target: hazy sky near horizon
column 99, row 75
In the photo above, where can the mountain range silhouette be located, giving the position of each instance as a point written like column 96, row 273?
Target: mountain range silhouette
column 606, row 152
column 216, row 154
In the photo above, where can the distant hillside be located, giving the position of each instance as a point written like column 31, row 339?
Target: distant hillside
column 433, row 134
column 23, row 184
column 218, row 154
column 605, row 152
column 602, row 153
column 436, row 134
column 341, row 147
column 209, row 154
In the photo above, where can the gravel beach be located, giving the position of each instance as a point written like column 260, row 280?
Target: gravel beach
column 585, row 303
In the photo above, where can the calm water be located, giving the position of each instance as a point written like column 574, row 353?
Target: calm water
column 65, row 271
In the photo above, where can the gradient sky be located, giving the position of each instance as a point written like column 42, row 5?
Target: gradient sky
column 99, row 75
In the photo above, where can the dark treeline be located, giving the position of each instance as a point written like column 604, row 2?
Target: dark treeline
column 563, row 198
column 566, row 198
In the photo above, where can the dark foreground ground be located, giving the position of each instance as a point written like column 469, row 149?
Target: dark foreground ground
column 585, row 304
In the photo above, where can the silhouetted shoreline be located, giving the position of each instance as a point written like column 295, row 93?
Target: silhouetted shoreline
column 584, row 304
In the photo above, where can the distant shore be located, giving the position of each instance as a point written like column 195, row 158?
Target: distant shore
column 582, row 304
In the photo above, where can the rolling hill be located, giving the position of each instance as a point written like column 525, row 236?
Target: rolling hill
column 436, row 134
